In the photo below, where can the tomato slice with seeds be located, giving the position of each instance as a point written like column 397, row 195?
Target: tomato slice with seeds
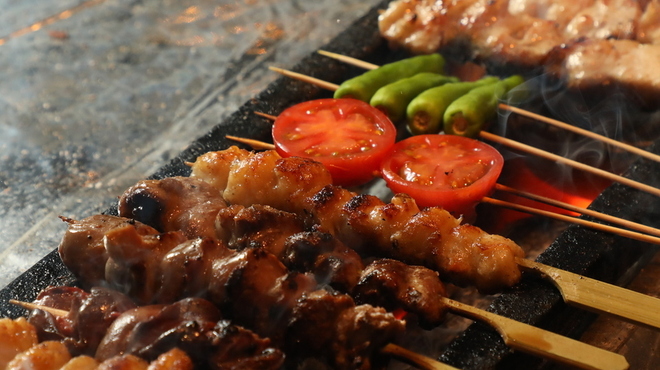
column 449, row 171
column 348, row 136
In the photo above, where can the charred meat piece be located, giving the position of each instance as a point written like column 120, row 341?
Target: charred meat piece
column 256, row 290
column 394, row 285
column 82, row 248
column 174, row 203
column 330, row 260
column 330, row 326
column 257, row 226
column 193, row 325
column 90, row 315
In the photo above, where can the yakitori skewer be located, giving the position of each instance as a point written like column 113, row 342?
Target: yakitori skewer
column 519, row 336
column 632, row 311
column 421, row 361
column 256, row 144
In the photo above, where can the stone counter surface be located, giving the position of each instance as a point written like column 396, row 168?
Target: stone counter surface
column 97, row 95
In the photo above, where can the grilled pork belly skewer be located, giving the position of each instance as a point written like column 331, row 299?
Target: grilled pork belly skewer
column 340, row 214
column 509, row 143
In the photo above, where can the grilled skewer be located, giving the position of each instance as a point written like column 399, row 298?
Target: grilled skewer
column 646, row 234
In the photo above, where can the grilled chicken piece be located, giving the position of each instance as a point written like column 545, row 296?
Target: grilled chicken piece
column 194, row 326
column 81, row 363
column 16, row 336
column 431, row 237
column 174, row 203
column 48, row 355
column 257, row 226
column 89, row 316
column 82, row 249
column 395, row 285
column 330, row 260
column 332, row 327
column 174, row 359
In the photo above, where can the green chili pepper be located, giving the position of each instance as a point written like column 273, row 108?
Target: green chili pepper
column 425, row 112
column 468, row 115
column 364, row 86
column 393, row 98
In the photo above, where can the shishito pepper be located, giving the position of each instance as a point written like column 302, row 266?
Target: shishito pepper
column 467, row 115
column 364, row 86
column 393, row 98
column 425, row 112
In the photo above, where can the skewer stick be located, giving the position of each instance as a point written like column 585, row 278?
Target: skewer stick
column 597, row 296
column 410, row 357
column 630, row 148
column 530, row 339
column 301, row 77
column 349, row 60
column 569, row 162
column 578, row 221
column 32, row 306
column 585, row 211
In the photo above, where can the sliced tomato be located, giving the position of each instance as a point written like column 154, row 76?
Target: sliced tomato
column 348, row 136
column 449, row 171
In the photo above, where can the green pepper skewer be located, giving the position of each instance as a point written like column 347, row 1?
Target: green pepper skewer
column 467, row 115
column 425, row 112
column 363, row 87
column 393, row 98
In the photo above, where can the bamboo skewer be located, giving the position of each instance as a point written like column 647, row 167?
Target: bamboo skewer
column 630, row 148
column 529, row 339
column 32, row 306
column 575, row 220
column 597, row 296
column 413, row 358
